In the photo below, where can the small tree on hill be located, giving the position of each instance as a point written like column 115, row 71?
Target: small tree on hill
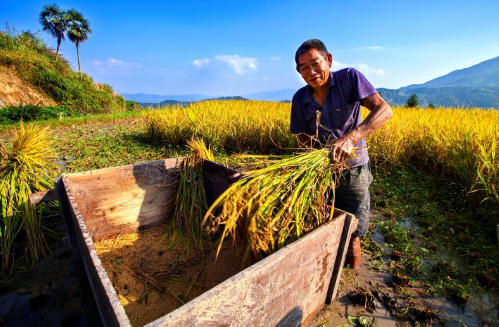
column 53, row 20
column 413, row 101
column 78, row 30
column 431, row 105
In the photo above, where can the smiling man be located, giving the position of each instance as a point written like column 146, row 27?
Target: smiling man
column 328, row 110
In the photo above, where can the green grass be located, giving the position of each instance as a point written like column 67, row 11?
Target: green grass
column 80, row 120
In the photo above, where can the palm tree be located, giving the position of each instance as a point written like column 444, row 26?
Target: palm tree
column 78, row 30
column 53, row 20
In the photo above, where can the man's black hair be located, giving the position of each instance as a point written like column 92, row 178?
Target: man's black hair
column 308, row 45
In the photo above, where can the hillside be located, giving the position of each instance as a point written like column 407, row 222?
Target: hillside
column 452, row 96
column 475, row 86
column 30, row 75
column 484, row 74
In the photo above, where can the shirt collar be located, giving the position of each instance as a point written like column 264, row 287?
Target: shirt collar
column 308, row 90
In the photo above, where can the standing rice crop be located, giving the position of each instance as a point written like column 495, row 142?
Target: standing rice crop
column 25, row 167
column 273, row 206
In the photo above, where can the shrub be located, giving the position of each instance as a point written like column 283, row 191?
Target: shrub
column 11, row 115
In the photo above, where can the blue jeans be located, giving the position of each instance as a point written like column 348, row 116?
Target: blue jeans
column 352, row 195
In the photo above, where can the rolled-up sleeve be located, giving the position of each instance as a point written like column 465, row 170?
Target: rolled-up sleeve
column 298, row 124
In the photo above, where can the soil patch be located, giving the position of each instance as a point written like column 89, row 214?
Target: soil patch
column 154, row 275
column 14, row 91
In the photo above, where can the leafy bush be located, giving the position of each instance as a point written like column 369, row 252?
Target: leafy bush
column 11, row 115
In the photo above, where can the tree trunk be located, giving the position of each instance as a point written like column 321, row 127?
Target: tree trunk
column 58, row 45
column 78, row 54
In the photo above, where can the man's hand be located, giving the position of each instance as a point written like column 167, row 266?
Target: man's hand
column 379, row 115
column 341, row 149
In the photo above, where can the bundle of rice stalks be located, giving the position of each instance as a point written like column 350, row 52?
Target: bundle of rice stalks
column 24, row 168
column 273, row 206
column 190, row 202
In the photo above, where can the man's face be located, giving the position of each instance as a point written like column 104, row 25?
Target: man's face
column 314, row 67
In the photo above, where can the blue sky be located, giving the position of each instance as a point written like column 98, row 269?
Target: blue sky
column 242, row 47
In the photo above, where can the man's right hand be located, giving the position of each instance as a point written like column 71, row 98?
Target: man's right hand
column 342, row 149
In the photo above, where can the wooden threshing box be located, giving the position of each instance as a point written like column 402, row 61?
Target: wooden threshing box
column 286, row 288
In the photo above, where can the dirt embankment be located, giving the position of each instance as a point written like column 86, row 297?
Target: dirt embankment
column 14, row 90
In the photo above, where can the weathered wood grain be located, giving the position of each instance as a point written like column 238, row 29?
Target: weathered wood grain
column 285, row 289
column 125, row 199
column 45, row 196
column 348, row 228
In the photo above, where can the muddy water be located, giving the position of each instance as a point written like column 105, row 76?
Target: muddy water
column 481, row 310
column 55, row 292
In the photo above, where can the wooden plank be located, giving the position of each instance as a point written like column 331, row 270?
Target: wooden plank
column 285, row 289
column 125, row 199
column 348, row 228
column 217, row 179
column 110, row 309
column 45, row 196
column 66, row 212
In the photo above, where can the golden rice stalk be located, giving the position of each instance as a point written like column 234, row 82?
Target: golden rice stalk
column 190, row 202
column 273, row 206
column 24, row 168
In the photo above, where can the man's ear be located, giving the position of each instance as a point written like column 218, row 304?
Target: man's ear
column 330, row 59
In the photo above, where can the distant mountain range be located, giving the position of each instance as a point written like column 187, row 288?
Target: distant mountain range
column 183, row 103
column 475, row 86
column 143, row 98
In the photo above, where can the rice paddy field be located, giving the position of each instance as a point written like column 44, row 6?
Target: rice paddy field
column 460, row 144
column 435, row 196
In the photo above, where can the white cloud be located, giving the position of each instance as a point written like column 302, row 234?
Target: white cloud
column 239, row 64
column 363, row 68
column 200, row 62
column 339, row 65
column 275, row 58
column 374, row 47
column 114, row 67
column 369, row 70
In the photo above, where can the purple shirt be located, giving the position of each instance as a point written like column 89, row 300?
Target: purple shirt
column 341, row 112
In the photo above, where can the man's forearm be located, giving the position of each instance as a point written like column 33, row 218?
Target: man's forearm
column 376, row 118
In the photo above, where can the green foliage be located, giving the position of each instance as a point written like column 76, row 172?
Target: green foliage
column 11, row 115
column 37, row 65
column 78, row 27
column 413, row 101
column 53, row 20
column 431, row 105
column 132, row 106
column 78, row 30
column 438, row 236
